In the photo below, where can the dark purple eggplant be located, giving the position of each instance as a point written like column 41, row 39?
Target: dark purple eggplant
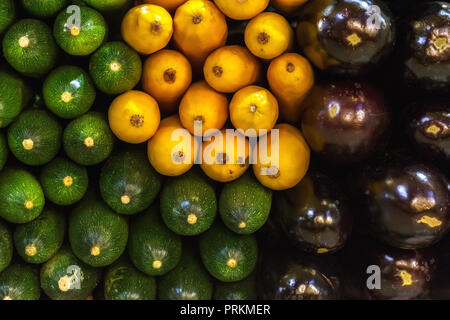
column 286, row 274
column 345, row 122
column 429, row 131
column 314, row 215
column 346, row 36
column 426, row 51
column 404, row 203
column 374, row 272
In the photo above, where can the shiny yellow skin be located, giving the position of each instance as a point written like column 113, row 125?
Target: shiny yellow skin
column 231, row 68
column 147, row 28
column 254, row 107
column 294, row 158
column 269, row 35
column 291, row 78
column 241, row 9
column 199, row 28
column 164, row 148
column 166, row 76
column 202, row 103
column 288, row 7
column 236, row 165
column 134, row 116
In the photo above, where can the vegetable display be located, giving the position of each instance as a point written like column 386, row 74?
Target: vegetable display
column 224, row 149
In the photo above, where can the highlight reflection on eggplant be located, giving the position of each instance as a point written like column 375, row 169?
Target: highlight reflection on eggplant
column 429, row 131
column 345, row 121
column 405, row 204
column 376, row 272
column 427, row 47
column 314, row 215
column 346, row 36
column 286, row 274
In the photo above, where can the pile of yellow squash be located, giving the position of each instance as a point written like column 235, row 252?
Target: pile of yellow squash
column 192, row 73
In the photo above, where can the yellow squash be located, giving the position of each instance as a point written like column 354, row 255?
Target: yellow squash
column 290, row 77
column 241, row 9
column 167, row 74
column 171, row 150
column 254, row 108
column 293, row 158
column 231, row 68
column 134, row 116
column 199, row 28
column 225, row 160
column 202, row 105
column 147, row 28
column 269, row 35
column 288, row 7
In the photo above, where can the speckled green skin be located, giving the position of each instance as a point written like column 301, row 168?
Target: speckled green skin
column 58, row 267
column 7, row 14
column 20, row 282
column 52, row 181
column 129, row 173
column 188, row 281
column 45, row 132
column 115, row 82
column 44, row 8
column 14, row 96
column 73, row 80
column 93, row 224
column 107, row 6
column 6, row 246
column 92, row 33
column 3, row 151
column 45, row 233
column 245, row 200
column 95, row 126
column 184, row 195
column 219, row 244
column 241, row 290
column 150, row 240
column 16, row 188
column 124, row 282
column 39, row 56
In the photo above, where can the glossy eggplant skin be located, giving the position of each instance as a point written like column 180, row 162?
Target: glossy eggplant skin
column 426, row 51
column 403, row 274
column 314, row 215
column 345, row 122
column 346, row 36
column 286, row 274
column 429, row 131
column 404, row 203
